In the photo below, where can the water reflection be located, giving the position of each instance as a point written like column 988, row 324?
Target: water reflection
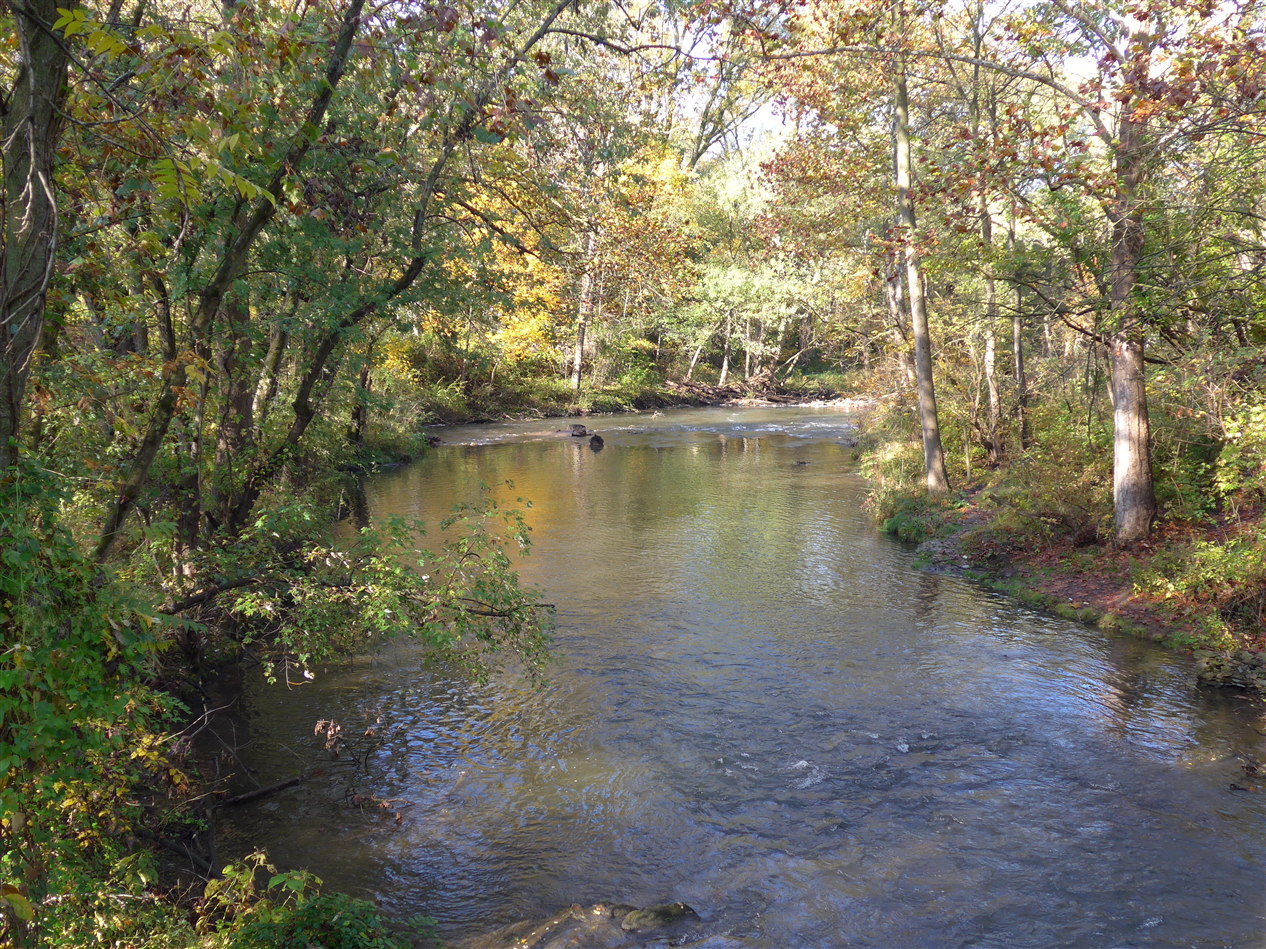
column 759, row 707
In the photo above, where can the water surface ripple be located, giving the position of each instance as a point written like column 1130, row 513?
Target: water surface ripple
column 760, row 707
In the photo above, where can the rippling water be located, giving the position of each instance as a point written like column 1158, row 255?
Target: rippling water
column 760, row 707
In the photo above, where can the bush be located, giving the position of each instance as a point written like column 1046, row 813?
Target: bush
column 333, row 921
column 79, row 757
column 916, row 519
column 1223, row 580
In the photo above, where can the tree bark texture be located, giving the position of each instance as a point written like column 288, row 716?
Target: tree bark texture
column 31, row 124
column 1133, row 490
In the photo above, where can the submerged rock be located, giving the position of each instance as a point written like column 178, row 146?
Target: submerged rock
column 600, row 926
column 1243, row 669
column 657, row 917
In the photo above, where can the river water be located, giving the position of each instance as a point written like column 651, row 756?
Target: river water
column 761, row 707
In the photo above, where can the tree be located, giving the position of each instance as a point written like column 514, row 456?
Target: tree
column 933, row 456
column 30, row 122
column 1165, row 73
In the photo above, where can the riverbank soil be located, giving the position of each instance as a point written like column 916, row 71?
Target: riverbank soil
column 1184, row 587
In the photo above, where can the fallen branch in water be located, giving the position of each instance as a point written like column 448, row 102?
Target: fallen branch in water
column 249, row 796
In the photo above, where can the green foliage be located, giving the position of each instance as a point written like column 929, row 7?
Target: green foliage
column 1222, row 581
column 253, row 906
column 916, row 519
column 335, row 921
column 1240, row 467
column 1062, row 485
column 826, row 382
column 323, row 599
column 78, row 754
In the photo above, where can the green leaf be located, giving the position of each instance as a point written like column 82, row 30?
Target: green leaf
column 19, row 905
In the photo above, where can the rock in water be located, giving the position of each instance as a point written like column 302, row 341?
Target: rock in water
column 657, row 917
column 604, row 925
column 612, row 910
column 579, row 431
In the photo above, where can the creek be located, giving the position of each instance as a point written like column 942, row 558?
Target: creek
column 760, row 706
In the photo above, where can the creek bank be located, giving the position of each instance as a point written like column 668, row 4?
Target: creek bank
column 763, row 389
column 1094, row 584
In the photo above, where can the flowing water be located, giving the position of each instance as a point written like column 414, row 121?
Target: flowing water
column 761, row 707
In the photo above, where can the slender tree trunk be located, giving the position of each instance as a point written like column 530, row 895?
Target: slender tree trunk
column 1133, row 491
column 583, row 308
column 1021, row 380
column 237, row 423
column 1017, row 348
column 32, row 123
column 898, row 319
column 933, row 456
column 991, row 374
column 270, row 376
column 725, row 354
column 694, row 360
column 747, row 348
column 977, row 114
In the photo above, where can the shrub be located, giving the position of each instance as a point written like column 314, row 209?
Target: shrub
column 916, row 519
column 331, row 921
column 79, row 756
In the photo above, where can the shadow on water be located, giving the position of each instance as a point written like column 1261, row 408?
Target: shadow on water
column 758, row 706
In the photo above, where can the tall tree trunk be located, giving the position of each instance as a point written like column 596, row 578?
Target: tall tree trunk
column 725, row 353
column 977, row 115
column 1017, row 349
column 584, row 306
column 748, row 342
column 1133, row 491
column 237, row 424
column 933, row 456
column 32, row 123
column 694, row 360
column 1021, row 379
column 270, row 375
column 991, row 373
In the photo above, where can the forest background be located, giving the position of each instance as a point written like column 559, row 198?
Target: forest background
column 249, row 248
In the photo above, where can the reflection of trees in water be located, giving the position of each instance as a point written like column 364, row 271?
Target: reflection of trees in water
column 357, row 503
